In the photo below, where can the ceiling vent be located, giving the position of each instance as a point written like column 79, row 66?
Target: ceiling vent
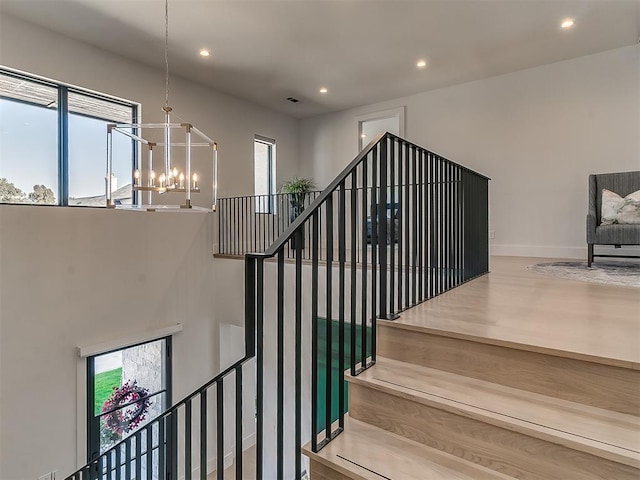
column 293, row 100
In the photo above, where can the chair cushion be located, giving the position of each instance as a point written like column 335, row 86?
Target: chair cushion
column 618, row 235
column 623, row 183
column 619, row 210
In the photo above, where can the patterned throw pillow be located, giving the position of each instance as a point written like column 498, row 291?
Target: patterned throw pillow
column 617, row 210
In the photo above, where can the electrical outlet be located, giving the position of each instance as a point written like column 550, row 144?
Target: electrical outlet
column 492, row 234
column 48, row 476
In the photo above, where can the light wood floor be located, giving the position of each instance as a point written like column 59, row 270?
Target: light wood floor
column 248, row 470
column 512, row 305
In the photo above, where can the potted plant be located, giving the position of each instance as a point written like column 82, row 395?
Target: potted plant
column 297, row 189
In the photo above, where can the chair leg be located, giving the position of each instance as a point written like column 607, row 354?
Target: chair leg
column 589, row 254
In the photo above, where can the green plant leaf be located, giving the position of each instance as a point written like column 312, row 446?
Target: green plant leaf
column 298, row 185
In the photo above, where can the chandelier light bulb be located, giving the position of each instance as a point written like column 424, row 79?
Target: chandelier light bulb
column 567, row 23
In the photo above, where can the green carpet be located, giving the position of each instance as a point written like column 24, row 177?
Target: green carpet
column 332, row 365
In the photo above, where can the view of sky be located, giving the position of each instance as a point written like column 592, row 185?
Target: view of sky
column 29, row 150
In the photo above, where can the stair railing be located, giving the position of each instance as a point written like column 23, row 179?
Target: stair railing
column 251, row 223
column 180, row 442
column 398, row 226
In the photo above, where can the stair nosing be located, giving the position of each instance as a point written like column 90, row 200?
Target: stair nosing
column 543, row 432
column 433, row 455
column 584, row 357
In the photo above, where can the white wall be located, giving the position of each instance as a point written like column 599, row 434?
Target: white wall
column 228, row 120
column 84, row 276
column 73, row 277
column 537, row 133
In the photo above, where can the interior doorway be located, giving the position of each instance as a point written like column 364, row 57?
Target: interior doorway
column 384, row 121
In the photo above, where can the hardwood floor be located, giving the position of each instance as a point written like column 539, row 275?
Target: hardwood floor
column 364, row 452
column 596, row 431
column 512, row 305
column 512, row 375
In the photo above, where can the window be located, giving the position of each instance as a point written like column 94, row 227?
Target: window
column 88, row 119
column 264, row 152
column 53, row 143
column 125, row 389
column 28, row 142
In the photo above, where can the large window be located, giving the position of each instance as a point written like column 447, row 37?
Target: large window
column 53, row 143
column 264, row 152
column 126, row 389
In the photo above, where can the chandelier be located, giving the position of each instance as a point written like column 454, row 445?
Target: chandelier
column 172, row 176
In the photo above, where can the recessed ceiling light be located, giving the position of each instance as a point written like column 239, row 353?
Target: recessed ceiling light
column 204, row 52
column 363, row 135
column 323, row 90
column 421, row 63
column 567, row 23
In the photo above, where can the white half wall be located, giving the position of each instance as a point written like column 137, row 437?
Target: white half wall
column 230, row 121
column 73, row 277
column 538, row 134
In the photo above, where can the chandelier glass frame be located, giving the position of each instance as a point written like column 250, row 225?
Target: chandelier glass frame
column 169, row 179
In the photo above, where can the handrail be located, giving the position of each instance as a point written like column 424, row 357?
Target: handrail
column 399, row 225
column 307, row 213
column 415, row 228
column 263, row 195
column 170, row 411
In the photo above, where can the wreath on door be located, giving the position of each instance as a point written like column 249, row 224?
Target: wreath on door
column 125, row 408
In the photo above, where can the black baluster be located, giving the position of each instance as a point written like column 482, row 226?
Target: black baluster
column 220, row 429
column 239, row 406
column 314, row 331
column 299, row 240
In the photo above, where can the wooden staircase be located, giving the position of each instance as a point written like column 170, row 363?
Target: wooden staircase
column 442, row 404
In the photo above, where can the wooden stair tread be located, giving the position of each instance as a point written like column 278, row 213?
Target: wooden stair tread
column 515, row 307
column 365, row 452
column 518, row 340
column 607, row 434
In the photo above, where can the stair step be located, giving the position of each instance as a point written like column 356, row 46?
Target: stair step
column 364, row 452
column 598, row 382
column 496, row 425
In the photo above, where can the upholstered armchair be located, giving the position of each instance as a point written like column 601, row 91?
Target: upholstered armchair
column 623, row 184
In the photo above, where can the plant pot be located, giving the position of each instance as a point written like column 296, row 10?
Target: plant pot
column 296, row 202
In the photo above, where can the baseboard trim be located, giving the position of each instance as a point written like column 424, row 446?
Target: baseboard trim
column 544, row 251
column 247, row 442
column 539, row 251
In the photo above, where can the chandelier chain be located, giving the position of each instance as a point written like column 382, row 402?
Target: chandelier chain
column 166, row 52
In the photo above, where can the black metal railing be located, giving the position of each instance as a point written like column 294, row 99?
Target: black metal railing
column 186, row 441
column 251, row 223
column 398, row 226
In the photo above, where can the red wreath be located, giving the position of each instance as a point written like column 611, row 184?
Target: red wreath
column 123, row 420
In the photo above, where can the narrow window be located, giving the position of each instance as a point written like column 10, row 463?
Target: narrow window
column 88, row 119
column 126, row 389
column 264, row 153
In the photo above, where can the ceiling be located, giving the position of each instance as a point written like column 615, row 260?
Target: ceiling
column 362, row 51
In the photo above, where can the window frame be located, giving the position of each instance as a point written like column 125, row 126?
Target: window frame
column 271, row 175
column 63, row 128
column 93, row 421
